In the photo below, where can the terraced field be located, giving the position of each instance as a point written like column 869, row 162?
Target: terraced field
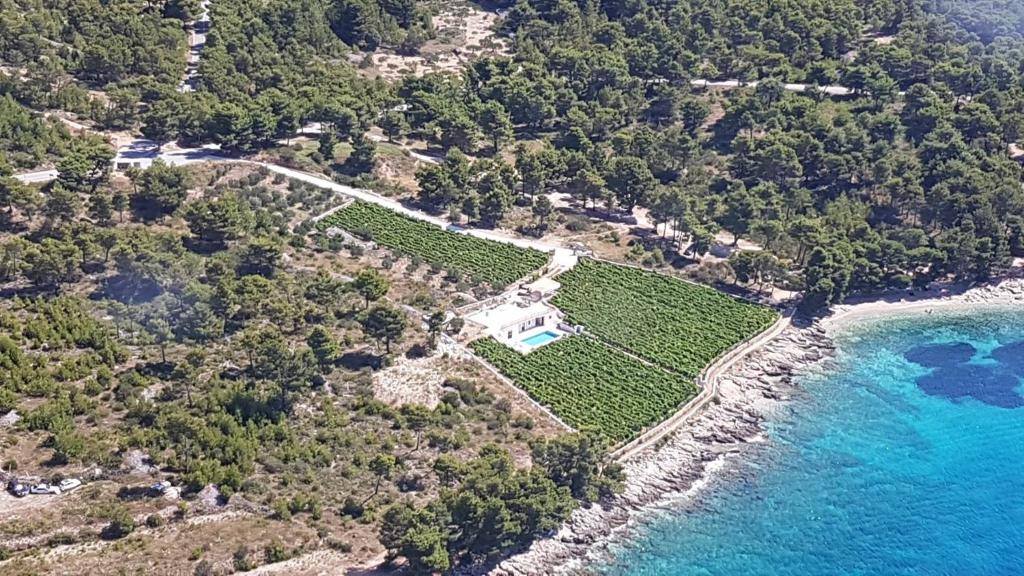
column 679, row 326
column 495, row 263
column 590, row 385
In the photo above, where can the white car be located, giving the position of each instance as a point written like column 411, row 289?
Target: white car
column 69, row 484
column 44, row 488
column 160, row 487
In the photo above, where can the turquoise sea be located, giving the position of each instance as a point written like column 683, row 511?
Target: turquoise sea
column 907, row 458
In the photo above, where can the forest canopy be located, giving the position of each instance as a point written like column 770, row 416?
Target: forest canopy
column 987, row 19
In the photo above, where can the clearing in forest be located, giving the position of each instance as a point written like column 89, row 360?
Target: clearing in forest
column 482, row 260
column 647, row 338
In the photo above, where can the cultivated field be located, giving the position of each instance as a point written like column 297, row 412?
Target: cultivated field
column 589, row 385
column 482, row 260
column 648, row 336
column 679, row 326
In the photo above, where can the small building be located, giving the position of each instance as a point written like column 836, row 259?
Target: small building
column 136, row 154
column 521, row 324
column 544, row 287
column 509, row 320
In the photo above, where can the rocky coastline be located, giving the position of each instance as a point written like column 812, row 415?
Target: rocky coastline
column 681, row 463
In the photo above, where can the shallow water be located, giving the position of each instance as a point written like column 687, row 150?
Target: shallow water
column 907, row 458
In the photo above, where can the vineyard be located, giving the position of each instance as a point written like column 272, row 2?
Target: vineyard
column 590, row 385
column 679, row 326
column 483, row 260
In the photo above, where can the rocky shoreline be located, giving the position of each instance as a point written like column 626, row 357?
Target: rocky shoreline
column 682, row 462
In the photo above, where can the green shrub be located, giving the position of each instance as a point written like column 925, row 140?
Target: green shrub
column 121, row 524
column 275, row 552
column 352, row 508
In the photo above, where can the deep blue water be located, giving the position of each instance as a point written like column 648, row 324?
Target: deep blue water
column 906, row 459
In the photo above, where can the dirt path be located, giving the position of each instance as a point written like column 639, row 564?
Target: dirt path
column 394, row 205
column 324, row 563
column 196, row 42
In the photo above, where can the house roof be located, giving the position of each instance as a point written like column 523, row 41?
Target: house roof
column 510, row 314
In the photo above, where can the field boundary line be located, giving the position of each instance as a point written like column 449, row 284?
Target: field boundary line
column 621, row 349
column 345, row 204
column 708, row 392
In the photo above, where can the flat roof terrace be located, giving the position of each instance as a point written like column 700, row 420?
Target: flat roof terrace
column 510, row 315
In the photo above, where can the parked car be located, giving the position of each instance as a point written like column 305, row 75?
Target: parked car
column 17, row 489
column 44, row 488
column 160, row 487
column 69, row 484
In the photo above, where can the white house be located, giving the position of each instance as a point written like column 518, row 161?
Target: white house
column 508, row 321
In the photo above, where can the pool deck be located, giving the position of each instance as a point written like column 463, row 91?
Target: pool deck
column 540, row 339
column 518, row 342
column 508, row 314
column 521, row 346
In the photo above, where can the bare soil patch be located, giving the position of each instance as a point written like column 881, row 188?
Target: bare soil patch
column 464, row 32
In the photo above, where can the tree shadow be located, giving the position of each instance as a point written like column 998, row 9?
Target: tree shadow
column 681, row 261
column 203, row 247
column 161, row 370
column 29, row 291
column 533, row 230
column 133, row 493
column 417, row 351
column 598, row 214
column 724, row 132
column 414, row 203
column 127, row 289
column 360, row 359
column 8, row 224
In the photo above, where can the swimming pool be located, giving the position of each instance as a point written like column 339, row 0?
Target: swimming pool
column 540, row 339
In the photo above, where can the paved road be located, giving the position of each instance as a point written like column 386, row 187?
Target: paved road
column 563, row 256
column 37, row 177
column 733, row 84
column 422, row 157
column 314, row 129
column 141, row 154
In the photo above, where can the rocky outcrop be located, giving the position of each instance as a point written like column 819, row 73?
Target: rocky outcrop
column 10, row 419
column 136, row 461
